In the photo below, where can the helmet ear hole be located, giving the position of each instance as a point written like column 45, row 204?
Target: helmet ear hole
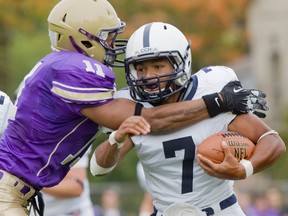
column 59, row 36
column 64, row 18
column 87, row 44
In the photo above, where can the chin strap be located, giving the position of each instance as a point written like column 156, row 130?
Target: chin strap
column 164, row 93
column 37, row 204
column 76, row 46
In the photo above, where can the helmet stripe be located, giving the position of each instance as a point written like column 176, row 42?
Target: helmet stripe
column 146, row 35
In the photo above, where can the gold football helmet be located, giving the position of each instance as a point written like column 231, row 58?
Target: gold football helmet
column 89, row 27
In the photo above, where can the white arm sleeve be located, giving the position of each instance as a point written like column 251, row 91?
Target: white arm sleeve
column 95, row 169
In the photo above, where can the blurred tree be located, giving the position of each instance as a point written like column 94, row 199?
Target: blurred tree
column 26, row 15
column 217, row 28
column 278, row 170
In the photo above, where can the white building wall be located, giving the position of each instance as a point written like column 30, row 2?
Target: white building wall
column 268, row 30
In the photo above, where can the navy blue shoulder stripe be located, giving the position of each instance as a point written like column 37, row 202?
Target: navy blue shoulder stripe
column 193, row 89
column 2, row 98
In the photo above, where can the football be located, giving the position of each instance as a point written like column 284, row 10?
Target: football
column 240, row 146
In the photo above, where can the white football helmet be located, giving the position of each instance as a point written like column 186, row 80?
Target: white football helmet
column 158, row 40
column 84, row 26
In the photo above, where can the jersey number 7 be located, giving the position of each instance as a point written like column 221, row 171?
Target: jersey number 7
column 186, row 143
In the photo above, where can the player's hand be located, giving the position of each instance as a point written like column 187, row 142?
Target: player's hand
column 240, row 100
column 257, row 102
column 230, row 168
column 133, row 125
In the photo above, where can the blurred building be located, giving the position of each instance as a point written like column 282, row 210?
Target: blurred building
column 266, row 67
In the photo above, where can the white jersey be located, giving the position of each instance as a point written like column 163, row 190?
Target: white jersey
column 169, row 160
column 141, row 176
column 5, row 111
column 81, row 205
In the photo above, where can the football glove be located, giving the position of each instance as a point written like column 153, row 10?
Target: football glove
column 237, row 100
column 240, row 100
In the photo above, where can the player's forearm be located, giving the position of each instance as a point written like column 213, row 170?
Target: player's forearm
column 107, row 155
column 104, row 159
column 146, row 207
column 266, row 152
column 269, row 146
column 69, row 187
column 162, row 118
column 177, row 115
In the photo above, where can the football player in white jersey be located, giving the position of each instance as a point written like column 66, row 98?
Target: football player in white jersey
column 68, row 94
column 158, row 71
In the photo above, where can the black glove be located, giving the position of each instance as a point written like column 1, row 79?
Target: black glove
column 237, row 100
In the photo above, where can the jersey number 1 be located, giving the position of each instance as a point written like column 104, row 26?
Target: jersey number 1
column 95, row 68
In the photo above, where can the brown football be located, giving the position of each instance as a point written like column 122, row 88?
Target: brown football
column 240, row 146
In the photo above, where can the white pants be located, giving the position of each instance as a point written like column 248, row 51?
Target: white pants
column 234, row 210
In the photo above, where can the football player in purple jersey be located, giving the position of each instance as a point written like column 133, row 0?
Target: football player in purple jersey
column 69, row 93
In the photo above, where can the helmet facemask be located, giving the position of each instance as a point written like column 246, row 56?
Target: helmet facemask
column 112, row 50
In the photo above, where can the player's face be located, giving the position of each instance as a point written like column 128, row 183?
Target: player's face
column 110, row 39
column 154, row 68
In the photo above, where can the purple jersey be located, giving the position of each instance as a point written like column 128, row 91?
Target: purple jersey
column 49, row 134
